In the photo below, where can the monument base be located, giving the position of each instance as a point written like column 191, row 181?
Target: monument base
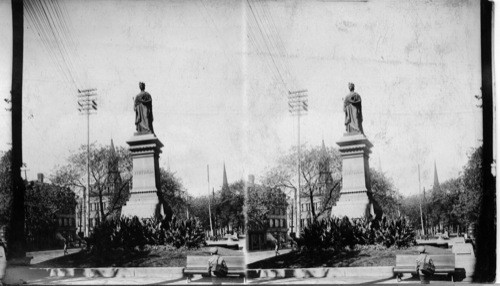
column 144, row 203
column 355, row 199
column 353, row 205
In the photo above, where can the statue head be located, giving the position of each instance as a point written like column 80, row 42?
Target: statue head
column 142, row 86
column 351, row 86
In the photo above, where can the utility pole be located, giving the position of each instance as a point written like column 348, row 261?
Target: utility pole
column 297, row 106
column 87, row 105
column 209, row 202
column 16, row 235
column 421, row 214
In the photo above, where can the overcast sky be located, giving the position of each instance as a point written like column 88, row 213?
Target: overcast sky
column 219, row 97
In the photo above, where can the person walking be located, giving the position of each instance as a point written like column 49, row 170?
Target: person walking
column 276, row 247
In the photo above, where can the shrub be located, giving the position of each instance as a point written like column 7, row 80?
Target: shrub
column 338, row 233
column 133, row 234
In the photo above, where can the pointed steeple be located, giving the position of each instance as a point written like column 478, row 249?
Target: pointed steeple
column 323, row 148
column 225, row 185
column 324, row 162
column 436, row 180
column 113, row 164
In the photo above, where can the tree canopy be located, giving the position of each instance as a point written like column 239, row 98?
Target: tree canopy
column 261, row 201
column 110, row 175
column 173, row 195
column 452, row 204
column 320, row 176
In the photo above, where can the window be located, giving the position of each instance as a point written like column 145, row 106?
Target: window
column 271, row 223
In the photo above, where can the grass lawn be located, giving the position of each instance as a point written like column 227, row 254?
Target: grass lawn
column 160, row 257
column 361, row 256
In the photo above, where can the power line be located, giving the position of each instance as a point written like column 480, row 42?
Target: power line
column 267, row 46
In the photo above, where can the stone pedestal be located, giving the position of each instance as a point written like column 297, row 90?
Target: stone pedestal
column 355, row 197
column 145, row 151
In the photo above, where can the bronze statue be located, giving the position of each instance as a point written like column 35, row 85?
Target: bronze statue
column 352, row 109
column 143, row 106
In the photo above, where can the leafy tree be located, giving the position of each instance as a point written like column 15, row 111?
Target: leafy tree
column 410, row 208
column 198, row 207
column 229, row 206
column 442, row 207
column 455, row 202
column 320, row 176
column 110, row 175
column 261, row 201
column 173, row 195
column 385, row 194
column 43, row 203
column 472, row 194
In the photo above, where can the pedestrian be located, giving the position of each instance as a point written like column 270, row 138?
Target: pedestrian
column 65, row 247
column 216, row 264
column 425, row 266
column 276, row 247
column 3, row 260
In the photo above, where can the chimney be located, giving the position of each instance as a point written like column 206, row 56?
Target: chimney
column 40, row 177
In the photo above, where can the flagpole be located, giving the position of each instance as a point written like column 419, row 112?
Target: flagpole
column 209, row 210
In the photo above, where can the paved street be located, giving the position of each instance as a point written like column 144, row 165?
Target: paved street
column 260, row 255
column 41, row 256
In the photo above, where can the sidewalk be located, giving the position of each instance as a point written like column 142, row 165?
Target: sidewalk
column 26, row 275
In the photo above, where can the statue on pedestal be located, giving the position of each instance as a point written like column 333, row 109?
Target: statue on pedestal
column 143, row 106
column 352, row 109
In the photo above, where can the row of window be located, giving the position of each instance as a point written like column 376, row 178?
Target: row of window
column 277, row 211
column 304, row 222
column 64, row 221
column 277, row 222
column 307, row 206
column 95, row 206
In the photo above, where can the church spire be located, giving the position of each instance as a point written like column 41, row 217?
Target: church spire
column 225, row 185
column 436, row 180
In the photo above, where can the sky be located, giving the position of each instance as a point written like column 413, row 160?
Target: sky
column 219, row 97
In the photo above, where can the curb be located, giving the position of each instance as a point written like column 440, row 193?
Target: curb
column 379, row 271
column 117, row 272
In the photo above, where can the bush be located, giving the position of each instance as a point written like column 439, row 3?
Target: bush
column 339, row 233
column 133, row 234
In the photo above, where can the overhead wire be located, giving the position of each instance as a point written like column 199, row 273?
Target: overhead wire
column 38, row 25
column 267, row 46
column 270, row 35
column 265, row 7
column 50, row 24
